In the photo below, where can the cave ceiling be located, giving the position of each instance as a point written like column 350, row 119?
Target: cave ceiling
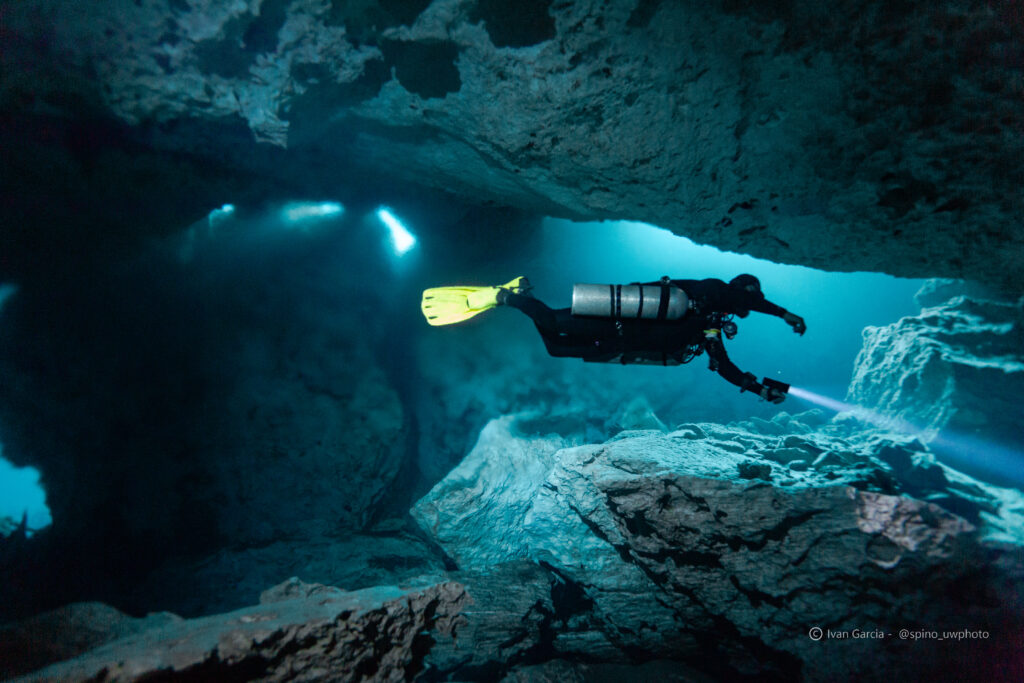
column 863, row 136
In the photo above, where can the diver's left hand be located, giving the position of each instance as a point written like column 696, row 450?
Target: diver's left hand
column 796, row 322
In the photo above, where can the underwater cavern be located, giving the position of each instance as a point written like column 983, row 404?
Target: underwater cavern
column 236, row 443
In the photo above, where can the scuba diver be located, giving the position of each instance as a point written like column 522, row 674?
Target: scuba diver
column 669, row 322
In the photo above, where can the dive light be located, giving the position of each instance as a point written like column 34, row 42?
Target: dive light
column 775, row 384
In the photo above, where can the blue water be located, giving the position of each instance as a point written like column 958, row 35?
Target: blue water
column 21, row 493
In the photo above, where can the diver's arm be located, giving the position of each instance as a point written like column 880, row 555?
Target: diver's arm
column 718, row 361
column 758, row 303
column 755, row 301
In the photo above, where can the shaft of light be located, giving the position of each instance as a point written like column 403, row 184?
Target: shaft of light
column 300, row 211
column 819, row 400
column 401, row 239
column 956, row 449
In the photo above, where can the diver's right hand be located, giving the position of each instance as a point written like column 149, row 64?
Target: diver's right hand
column 796, row 322
column 772, row 395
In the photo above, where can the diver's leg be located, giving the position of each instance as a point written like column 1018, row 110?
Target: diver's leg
column 540, row 313
column 564, row 335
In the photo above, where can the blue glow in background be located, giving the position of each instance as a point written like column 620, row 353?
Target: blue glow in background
column 20, row 492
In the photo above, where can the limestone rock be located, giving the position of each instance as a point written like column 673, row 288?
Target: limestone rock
column 562, row 671
column 508, row 620
column 67, row 632
column 670, row 550
column 939, row 291
column 892, row 126
column 232, row 577
column 934, row 370
column 637, row 414
column 299, row 632
column 457, row 505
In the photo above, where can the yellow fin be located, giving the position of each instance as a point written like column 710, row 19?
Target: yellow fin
column 449, row 305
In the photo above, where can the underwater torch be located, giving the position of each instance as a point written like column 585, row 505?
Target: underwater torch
column 774, row 390
column 775, row 384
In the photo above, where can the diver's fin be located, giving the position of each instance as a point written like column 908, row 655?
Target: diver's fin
column 449, row 305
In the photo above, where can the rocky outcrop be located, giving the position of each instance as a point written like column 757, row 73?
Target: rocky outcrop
column 68, row 632
column 958, row 366
column 232, row 576
column 178, row 410
column 723, row 546
column 299, row 632
column 793, row 132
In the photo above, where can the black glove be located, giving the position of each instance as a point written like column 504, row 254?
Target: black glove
column 796, row 322
column 772, row 395
column 750, row 383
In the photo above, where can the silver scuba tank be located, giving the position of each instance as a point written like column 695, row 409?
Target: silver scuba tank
column 649, row 302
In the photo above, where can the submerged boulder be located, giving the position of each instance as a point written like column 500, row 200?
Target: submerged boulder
column 959, row 365
column 299, row 632
column 233, row 576
column 68, row 632
column 679, row 546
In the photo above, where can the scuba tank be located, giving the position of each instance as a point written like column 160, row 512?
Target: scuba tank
column 666, row 358
column 649, row 302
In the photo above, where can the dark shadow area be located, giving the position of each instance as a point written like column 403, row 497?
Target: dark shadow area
column 518, row 24
column 427, row 69
column 364, row 20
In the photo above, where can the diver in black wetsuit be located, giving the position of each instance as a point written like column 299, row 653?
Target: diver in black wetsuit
column 710, row 305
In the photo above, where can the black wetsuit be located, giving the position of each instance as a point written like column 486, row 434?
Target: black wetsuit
column 662, row 342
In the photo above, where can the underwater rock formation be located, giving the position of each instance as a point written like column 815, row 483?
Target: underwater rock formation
column 722, row 546
column 791, row 131
column 957, row 365
column 67, row 632
column 232, row 576
column 176, row 416
column 299, row 632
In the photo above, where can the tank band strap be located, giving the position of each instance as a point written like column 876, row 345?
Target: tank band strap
column 663, row 305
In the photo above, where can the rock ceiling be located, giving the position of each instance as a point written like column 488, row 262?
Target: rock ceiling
column 871, row 135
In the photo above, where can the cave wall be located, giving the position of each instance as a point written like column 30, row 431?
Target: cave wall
column 958, row 364
column 180, row 408
column 954, row 374
column 865, row 136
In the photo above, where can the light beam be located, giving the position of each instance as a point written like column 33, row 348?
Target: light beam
column 220, row 215
column 959, row 450
column 401, row 239
column 295, row 212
